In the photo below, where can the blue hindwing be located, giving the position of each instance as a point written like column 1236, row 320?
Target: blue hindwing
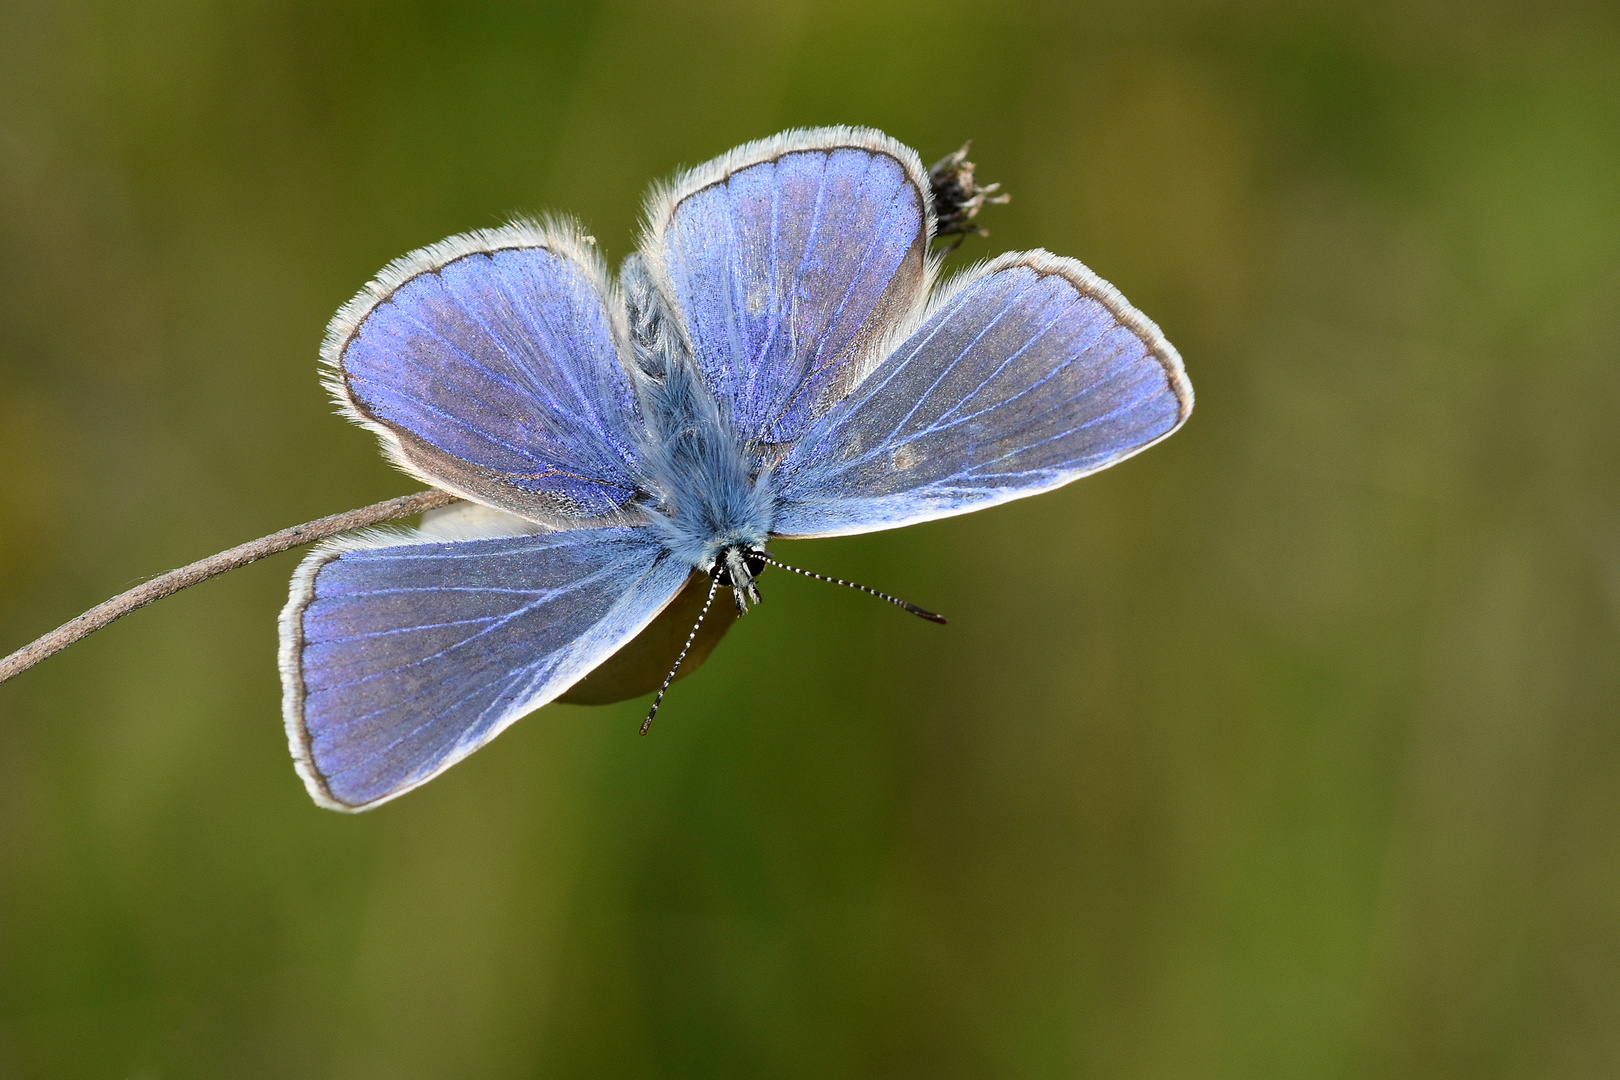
column 400, row 660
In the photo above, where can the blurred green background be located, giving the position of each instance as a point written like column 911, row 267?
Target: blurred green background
column 1288, row 749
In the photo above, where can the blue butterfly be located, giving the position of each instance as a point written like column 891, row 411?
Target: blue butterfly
column 776, row 360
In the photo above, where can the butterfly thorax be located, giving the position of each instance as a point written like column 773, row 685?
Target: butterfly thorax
column 705, row 500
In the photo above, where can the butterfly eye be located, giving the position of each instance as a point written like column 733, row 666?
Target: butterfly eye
column 753, row 561
column 721, row 573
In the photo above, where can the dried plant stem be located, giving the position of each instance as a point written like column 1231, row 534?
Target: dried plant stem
column 175, row 580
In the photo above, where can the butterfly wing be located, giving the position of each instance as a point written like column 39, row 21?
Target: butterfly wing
column 788, row 261
column 1030, row 372
column 489, row 364
column 399, row 660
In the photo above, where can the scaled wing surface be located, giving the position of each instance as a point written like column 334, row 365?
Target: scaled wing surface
column 1030, row 372
column 400, row 660
column 490, row 365
column 790, row 261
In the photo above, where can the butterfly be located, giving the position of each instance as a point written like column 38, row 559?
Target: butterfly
column 777, row 359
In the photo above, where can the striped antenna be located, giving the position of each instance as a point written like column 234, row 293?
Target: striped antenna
column 714, row 583
column 895, row 600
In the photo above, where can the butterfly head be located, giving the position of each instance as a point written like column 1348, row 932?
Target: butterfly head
column 736, row 567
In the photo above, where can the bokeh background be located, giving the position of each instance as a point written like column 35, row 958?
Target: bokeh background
column 1288, row 749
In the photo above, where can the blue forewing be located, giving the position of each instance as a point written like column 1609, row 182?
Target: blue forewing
column 788, row 261
column 1030, row 373
column 490, row 365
